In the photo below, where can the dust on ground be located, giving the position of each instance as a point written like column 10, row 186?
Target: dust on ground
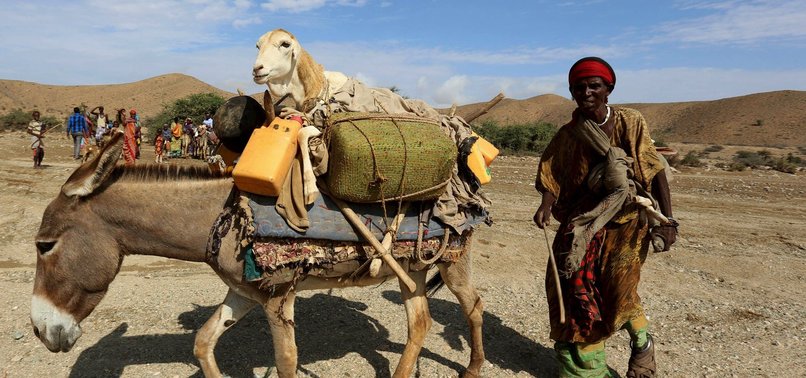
column 727, row 301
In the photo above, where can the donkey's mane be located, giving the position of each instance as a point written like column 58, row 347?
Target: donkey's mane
column 163, row 172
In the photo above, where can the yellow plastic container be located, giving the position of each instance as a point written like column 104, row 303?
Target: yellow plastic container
column 477, row 164
column 487, row 149
column 265, row 160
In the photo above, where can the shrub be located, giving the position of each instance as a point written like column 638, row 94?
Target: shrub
column 193, row 106
column 660, row 143
column 782, row 165
column 796, row 160
column 692, row 159
column 736, row 167
column 713, row 148
column 527, row 139
column 751, row 159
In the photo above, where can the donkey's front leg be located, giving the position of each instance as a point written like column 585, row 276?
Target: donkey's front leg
column 457, row 277
column 419, row 320
column 282, row 331
column 230, row 311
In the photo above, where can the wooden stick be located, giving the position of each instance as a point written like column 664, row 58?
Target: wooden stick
column 388, row 237
column 486, row 108
column 556, row 274
column 352, row 217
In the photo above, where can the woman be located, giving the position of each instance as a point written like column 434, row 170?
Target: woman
column 589, row 176
column 130, row 138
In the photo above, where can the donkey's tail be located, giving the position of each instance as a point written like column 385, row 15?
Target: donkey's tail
column 433, row 285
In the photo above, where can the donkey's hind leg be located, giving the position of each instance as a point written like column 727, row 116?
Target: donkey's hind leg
column 458, row 279
column 280, row 313
column 419, row 320
column 230, row 311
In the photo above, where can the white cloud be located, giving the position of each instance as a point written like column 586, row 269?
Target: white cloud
column 299, row 6
column 740, row 23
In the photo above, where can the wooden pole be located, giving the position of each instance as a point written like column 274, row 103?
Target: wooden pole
column 486, row 108
column 556, row 274
column 352, row 217
column 388, row 238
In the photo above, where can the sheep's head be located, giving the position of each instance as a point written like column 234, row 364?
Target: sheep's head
column 278, row 52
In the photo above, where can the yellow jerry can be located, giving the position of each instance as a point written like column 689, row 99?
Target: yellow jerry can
column 265, row 160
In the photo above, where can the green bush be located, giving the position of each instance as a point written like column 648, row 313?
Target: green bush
column 713, row 148
column 528, row 139
column 193, row 106
column 796, row 160
column 692, row 159
column 764, row 158
column 752, row 159
column 736, row 167
column 18, row 119
column 782, row 165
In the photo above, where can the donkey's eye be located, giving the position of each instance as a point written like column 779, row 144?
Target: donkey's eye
column 44, row 247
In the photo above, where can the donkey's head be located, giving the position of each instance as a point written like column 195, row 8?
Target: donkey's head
column 75, row 259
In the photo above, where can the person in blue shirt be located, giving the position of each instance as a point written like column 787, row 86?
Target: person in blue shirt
column 76, row 128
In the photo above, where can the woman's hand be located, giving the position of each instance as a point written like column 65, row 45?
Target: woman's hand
column 542, row 216
column 668, row 233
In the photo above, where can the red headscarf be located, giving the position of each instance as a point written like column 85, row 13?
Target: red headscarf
column 591, row 66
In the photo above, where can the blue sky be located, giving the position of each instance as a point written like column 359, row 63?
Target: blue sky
column 440, row 51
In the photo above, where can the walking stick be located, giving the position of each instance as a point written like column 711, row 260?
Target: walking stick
column 556, row 274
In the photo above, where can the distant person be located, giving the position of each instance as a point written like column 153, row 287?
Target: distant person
column 100, row 123
column 589, row 175
column 208, row 126
column 166, row 140
column 76, row 129
column 187, row 137
column 36, row 129
column 159, row 145
column 129, row 142
column 201, row 142
column 176, row 138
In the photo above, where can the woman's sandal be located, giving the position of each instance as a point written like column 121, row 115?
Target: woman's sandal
column 642, row 362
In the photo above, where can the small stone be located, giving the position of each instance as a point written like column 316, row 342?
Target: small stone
column 18, row 334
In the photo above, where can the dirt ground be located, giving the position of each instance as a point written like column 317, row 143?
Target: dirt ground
column 726, row 302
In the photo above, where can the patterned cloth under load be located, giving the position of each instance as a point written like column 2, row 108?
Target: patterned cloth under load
column 376, row 157
column 277, row 254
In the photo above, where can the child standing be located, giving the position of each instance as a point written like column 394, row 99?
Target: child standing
column 159, row 144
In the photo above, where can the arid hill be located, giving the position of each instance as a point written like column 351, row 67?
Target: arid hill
column 147, row 96
column 762, row 119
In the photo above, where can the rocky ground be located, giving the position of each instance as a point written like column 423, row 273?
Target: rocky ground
column 727, row 301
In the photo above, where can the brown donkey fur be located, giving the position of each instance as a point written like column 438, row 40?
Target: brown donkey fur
column 102, row 214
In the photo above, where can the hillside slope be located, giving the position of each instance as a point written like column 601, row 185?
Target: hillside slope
column 761, row 119
column 147, row 96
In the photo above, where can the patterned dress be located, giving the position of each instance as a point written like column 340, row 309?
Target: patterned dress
column 602, row 296
column 129, row 141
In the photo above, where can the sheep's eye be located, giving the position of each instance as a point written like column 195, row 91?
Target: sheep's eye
column 285, row 44
column 257, row 47
column 44, row 247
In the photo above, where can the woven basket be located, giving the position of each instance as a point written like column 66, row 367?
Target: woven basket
column 377, row 157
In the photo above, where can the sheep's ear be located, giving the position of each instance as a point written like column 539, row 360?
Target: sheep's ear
column 90, row 175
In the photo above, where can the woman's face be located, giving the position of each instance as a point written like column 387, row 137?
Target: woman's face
column 590, row 93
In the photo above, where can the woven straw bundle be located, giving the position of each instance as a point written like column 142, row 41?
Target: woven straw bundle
column 380, row 157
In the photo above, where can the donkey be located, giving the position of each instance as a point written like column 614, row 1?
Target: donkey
column 104, row 209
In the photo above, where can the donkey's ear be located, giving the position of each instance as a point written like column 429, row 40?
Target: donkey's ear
column 90, row 175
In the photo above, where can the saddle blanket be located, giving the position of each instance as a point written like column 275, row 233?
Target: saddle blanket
column 328, row 223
